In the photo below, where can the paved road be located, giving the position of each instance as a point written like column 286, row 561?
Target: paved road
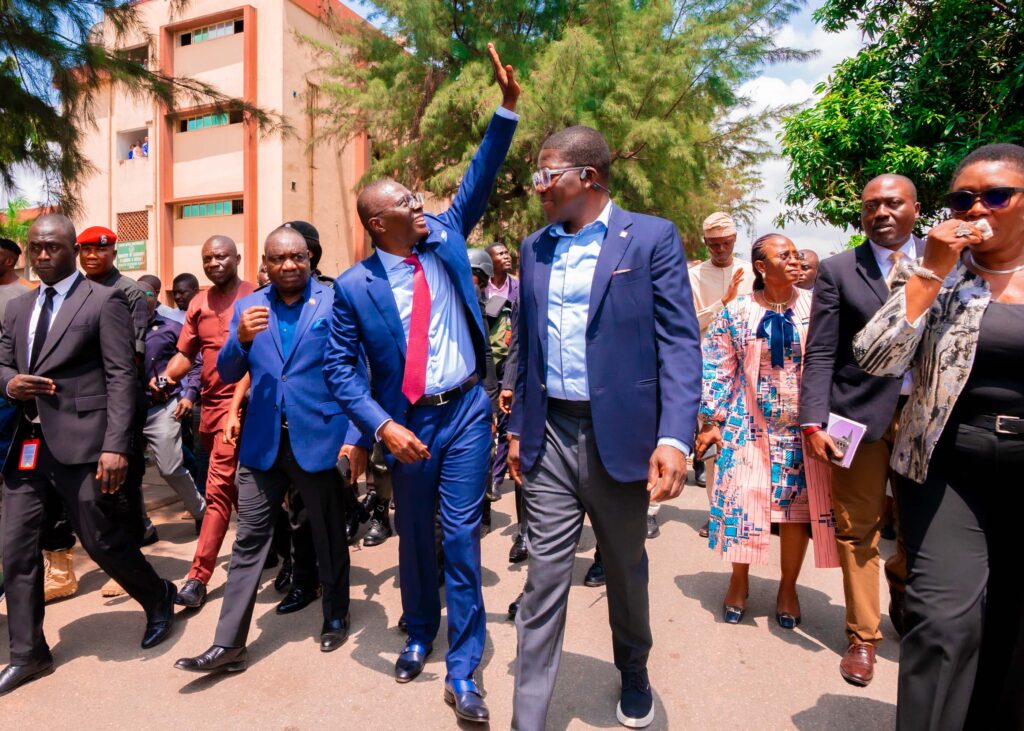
column 706, row 674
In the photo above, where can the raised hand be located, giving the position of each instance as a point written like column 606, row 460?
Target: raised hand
column 506, row 77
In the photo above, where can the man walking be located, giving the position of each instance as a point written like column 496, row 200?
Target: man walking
column 292, row 435
column 67, row 357
column 412, row 309
column 850, row 289
column 604, row 411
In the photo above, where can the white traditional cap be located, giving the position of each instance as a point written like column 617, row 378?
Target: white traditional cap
column 719, row 224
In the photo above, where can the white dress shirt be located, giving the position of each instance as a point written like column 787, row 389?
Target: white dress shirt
column 882, row 256
column 62, row 288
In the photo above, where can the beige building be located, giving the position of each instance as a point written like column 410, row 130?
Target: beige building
column 168, row 180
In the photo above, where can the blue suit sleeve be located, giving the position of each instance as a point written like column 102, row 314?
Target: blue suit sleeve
column 471, row 199
column 520, row 344
column 233, row 359
column 678, row 338
column 191, row 382
column 345, row 374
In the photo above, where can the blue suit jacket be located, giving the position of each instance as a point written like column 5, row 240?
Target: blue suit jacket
column 643, row 344
column 296, row 383
column 366, row 319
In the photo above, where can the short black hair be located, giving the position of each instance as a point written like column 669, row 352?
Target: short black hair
column 186, row 277
column 11, row 246
column 157, row 284
column 286, row 229
column 494, row 246
column 1000, row 152
column 583, row 146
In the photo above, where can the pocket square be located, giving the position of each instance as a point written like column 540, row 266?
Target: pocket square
column 621, row 271
column 319, row 324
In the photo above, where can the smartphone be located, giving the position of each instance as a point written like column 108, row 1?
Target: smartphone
column 344, row 468
column 711, row 453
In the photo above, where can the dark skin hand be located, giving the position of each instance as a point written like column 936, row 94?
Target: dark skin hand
column 24, row 387
column 505, row 401
column 402, row 443
column 514, row 470
column 358, row 457
column 111, row 471
column 821, row 446
column 666, row 474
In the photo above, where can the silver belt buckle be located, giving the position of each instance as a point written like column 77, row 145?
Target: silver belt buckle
column 999, row 424
column 442, row 398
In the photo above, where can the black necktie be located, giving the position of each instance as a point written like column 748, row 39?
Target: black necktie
column 42, row 326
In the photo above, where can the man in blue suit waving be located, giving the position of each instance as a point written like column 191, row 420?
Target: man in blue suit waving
column 292, row 435
column 412, row 308
column 605, row 406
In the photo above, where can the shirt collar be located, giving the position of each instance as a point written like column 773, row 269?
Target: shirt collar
column 63, row 286
column 392, row 261
column 882, row 253
column 304, row 298
column 602, row 219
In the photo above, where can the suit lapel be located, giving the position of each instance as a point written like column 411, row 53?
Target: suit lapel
column 544, row 247
column 615, row 244
column 310, row 307
column 379, row 289
column 272, row 324
column 868, row 269
column 76, row 297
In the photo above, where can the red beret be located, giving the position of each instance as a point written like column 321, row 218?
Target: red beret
column 97, row 235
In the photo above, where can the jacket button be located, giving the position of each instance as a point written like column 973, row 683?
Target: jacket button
column 284, row 378
column 543, row 387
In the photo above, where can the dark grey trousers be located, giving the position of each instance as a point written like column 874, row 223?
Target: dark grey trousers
column 259, row 499
column 567, row 483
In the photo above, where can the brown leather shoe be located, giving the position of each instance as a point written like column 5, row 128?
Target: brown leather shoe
column 858, row 664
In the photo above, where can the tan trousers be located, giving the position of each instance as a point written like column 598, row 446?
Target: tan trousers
column 858, row 499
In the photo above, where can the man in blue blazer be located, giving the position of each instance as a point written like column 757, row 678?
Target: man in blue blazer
column 608, row 382
column 412, row 309
column 293, row 433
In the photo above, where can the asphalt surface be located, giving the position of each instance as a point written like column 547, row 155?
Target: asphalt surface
column 705, row 674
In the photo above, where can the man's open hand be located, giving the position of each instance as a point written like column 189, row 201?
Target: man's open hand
column 506, row 77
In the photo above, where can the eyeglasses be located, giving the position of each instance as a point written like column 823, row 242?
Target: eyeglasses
column 544, row 177
column 412, row 201
column 961, row 201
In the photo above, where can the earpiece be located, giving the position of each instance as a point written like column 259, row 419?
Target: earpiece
column 584, row 174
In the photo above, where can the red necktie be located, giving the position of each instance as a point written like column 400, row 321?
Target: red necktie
column 414, row 383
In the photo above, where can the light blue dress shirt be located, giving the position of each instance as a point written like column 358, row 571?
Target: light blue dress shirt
column 450, row 355
column 572, row 278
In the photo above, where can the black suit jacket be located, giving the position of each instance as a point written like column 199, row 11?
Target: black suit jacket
column 89, row 353
column 849, row 290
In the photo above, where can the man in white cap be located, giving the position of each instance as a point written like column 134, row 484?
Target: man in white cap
column 715, row 283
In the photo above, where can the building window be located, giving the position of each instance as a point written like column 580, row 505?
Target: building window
column 133, row 226
column 215, row 119
column 211, row 208
column 210, row 32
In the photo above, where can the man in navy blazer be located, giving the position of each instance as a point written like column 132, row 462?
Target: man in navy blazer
column 292, row 435
column 412, row 309
column 608, row 383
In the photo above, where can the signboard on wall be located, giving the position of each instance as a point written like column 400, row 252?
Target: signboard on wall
column 131, row 255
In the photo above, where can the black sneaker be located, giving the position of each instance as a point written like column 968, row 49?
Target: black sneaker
column 636, row 704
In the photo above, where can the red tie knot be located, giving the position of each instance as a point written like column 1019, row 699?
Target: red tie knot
column 413, row 260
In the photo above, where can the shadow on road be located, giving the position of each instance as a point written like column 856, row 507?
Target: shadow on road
column 845, row 711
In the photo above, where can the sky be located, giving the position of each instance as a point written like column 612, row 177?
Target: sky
column 790, row 83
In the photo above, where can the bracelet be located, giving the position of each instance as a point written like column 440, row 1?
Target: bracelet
column 808, row 430
column 925, row 273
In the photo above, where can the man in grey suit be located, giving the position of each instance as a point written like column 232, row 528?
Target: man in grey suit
column 67, row 358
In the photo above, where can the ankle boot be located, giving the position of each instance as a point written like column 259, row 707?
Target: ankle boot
column 59, row 579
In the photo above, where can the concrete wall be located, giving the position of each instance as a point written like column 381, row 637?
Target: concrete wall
column 189, row 235
column 208, row 161
column 217, row 62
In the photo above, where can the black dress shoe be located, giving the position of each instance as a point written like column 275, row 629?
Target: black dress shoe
column 494, row 493
column 192, row 595
column 410, row 663
column 334, row 634
column 595, row 575
column 150, row 537
column 216, row 659
column 378, row 532
column 14, row 676
column 464, row 696
column 284, row 577
column 513, row 608
column 699, row 475
column 519, row 552
column 653, row 531
column 158, row 623
column 298, row 598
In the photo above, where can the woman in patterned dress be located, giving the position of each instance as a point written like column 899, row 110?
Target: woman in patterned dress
column 752, row 367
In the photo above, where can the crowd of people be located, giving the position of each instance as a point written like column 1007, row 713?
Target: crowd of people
column 592, row 379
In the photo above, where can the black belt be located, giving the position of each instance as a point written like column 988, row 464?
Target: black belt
column 1000, row 424
column 570, row 408
column 445, row 397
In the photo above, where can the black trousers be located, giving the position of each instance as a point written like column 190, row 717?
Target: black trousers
column 260, row 494
column 293, row 541
column 962, row 658
column 93, row 517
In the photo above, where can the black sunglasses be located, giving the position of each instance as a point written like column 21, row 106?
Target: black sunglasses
column 961, row 201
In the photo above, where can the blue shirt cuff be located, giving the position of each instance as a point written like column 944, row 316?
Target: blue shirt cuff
column 669, row 441
column 507, row 114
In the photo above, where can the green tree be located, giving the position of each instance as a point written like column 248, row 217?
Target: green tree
column 54, row 58
column 659, row 78
column 10, row 226
column 935, row 79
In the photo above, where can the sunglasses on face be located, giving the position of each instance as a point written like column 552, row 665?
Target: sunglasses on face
column 411, row 201
column 545, row 176
column 961, row 201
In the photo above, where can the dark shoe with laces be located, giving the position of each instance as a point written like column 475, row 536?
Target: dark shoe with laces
column 466, row 699
column 192, row 595
column 378, row 532
column 858, row 664
column 636, row 704
column 519, row 552
column 595, row 575
column 216, row 659
column 298, row 598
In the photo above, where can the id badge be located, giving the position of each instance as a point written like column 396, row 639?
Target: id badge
column 29, row 455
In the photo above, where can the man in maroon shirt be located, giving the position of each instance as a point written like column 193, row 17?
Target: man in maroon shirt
column 205, row 329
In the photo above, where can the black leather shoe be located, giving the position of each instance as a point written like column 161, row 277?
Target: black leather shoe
column 653, row 531
column 216, row 659
column 699, row 475
column 296, row 599
column 595, row 575
column 283, row 581
column 494, row 493
column 410, row 663
column 513, row 608
column 192, row 595
column 14, row 676
column 378, row 532
column 333, row 634
column 465, row 698
column 158, row 623
column 150, row 537
column 519, row 552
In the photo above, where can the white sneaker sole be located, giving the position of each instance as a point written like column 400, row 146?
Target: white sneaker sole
column 634, row 722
